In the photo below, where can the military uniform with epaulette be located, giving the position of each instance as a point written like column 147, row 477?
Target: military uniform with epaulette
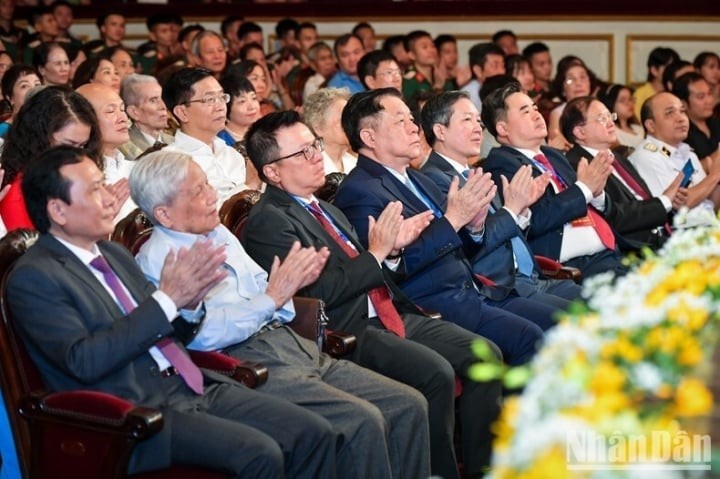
column 659, row 163
column 414, row 81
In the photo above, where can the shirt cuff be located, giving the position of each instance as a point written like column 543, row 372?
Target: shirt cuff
column 585, row 191
column 666, row 202
column 476, row 237
column 599, row 202
column 166, row 304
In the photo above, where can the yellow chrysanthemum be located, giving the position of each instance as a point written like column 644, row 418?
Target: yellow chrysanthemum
column 550, row 465
column 692, row 398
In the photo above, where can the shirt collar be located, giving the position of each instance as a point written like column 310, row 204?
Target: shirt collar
column 82, row 254
column 456, row 166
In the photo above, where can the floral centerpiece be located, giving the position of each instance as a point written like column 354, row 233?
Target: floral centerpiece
column 615, row 387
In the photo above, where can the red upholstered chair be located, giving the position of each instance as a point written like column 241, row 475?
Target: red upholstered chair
column 78, row 434
column 555, row 270
column 234, row 211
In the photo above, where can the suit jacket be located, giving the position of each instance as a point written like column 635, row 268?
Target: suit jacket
column 638, row 222
column 439, row 276
column 79, row 338
column 278, row 220
column 495, row 258
column 551, row 211
column 138, row 143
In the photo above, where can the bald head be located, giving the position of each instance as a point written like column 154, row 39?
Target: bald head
column 665, row 118
column 110, row 111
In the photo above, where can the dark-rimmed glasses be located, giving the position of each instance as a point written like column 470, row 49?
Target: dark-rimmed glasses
column 308, row 152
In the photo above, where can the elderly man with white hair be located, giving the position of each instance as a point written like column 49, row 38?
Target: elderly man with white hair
column 146, row 109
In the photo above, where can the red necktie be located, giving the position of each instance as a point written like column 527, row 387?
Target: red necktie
column 595, row 219
column 172, row 352
column 380, row 297
column 635, row 186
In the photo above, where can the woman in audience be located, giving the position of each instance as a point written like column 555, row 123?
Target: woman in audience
column 573, row 80
column 255, row 73
column 55, row 115
column 122, row 60
column 519, row 67
column 16, row 82
column 51, row 60
column 619, row 100
column 97, row 70
column 708, row 65
column 243, row 110
column 322, row 111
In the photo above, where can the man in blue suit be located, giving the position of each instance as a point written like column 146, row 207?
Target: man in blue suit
column 567, row 221
column 452, row 126
column 436, row 272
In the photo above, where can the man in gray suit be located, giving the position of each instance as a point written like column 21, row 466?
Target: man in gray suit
column 90, row 320
column 144, row 105
column 383, row 422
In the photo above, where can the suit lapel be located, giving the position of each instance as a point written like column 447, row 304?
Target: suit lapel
column 75, row 267
column 441, row 164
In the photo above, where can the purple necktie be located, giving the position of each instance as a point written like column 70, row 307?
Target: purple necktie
column 180, row 361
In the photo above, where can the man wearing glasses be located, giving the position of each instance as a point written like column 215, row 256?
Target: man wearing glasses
column 639, row 219
column 199, row 104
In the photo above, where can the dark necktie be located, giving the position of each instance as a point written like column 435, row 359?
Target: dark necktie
column 635, row 187
column 380, row 297
column 595, row 219
column 180, row 361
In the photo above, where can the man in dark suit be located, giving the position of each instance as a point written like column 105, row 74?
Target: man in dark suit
column 394, row 338
column 437, row 273
column 452, row 126
column 90, row 320
column 639, row 219
column 567, row 221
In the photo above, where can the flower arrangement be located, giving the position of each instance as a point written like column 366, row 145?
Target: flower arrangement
column 620, row 376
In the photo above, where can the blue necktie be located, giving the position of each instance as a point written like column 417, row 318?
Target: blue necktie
column 523, row 258
column 416, row 191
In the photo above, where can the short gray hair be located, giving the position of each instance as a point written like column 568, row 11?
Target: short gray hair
column 129, row 89
column 195, row 44
column 317, row 104
column 155, row 178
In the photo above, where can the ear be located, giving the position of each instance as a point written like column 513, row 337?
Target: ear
column 439, row 131
column 56, row 211
column 131, row 110
column 501, row 127
column 180, row 112
column 370, row 81
column 272, row 174
column 162, row 216
column 368, row 137
column 649, row 126
column 152, row 36
column 477, row 71
column 579, row 132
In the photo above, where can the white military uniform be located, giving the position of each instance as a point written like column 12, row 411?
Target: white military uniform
column 659, row 164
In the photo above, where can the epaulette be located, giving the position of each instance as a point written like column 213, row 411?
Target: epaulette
column 650, row 147
column 33, row 44
column 410, row 74
column 150, row 53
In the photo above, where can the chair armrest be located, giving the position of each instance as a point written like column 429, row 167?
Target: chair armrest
column 249, row 373
column 555, row 270
column 339, row 343
column 93, row 409
column 307, row 313
column 85, row 433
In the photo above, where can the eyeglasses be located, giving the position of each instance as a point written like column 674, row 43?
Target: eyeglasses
column 390, row 73
column 308, row 152
column 212, row 99
column 605, row 117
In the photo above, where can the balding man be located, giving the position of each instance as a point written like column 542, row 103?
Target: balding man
column 144, row 105
column 664, row 153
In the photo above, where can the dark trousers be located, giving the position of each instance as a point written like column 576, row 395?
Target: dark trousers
column 430, row 357
column 246, row 433
column 604, row 261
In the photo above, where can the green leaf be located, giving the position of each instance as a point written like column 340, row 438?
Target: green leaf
column 482, row 350
column 516, row 377
column 485, row 372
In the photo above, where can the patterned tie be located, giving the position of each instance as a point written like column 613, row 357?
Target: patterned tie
column 595, row 219
column 635, row 187
column 172, row 352
column 380, row 297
